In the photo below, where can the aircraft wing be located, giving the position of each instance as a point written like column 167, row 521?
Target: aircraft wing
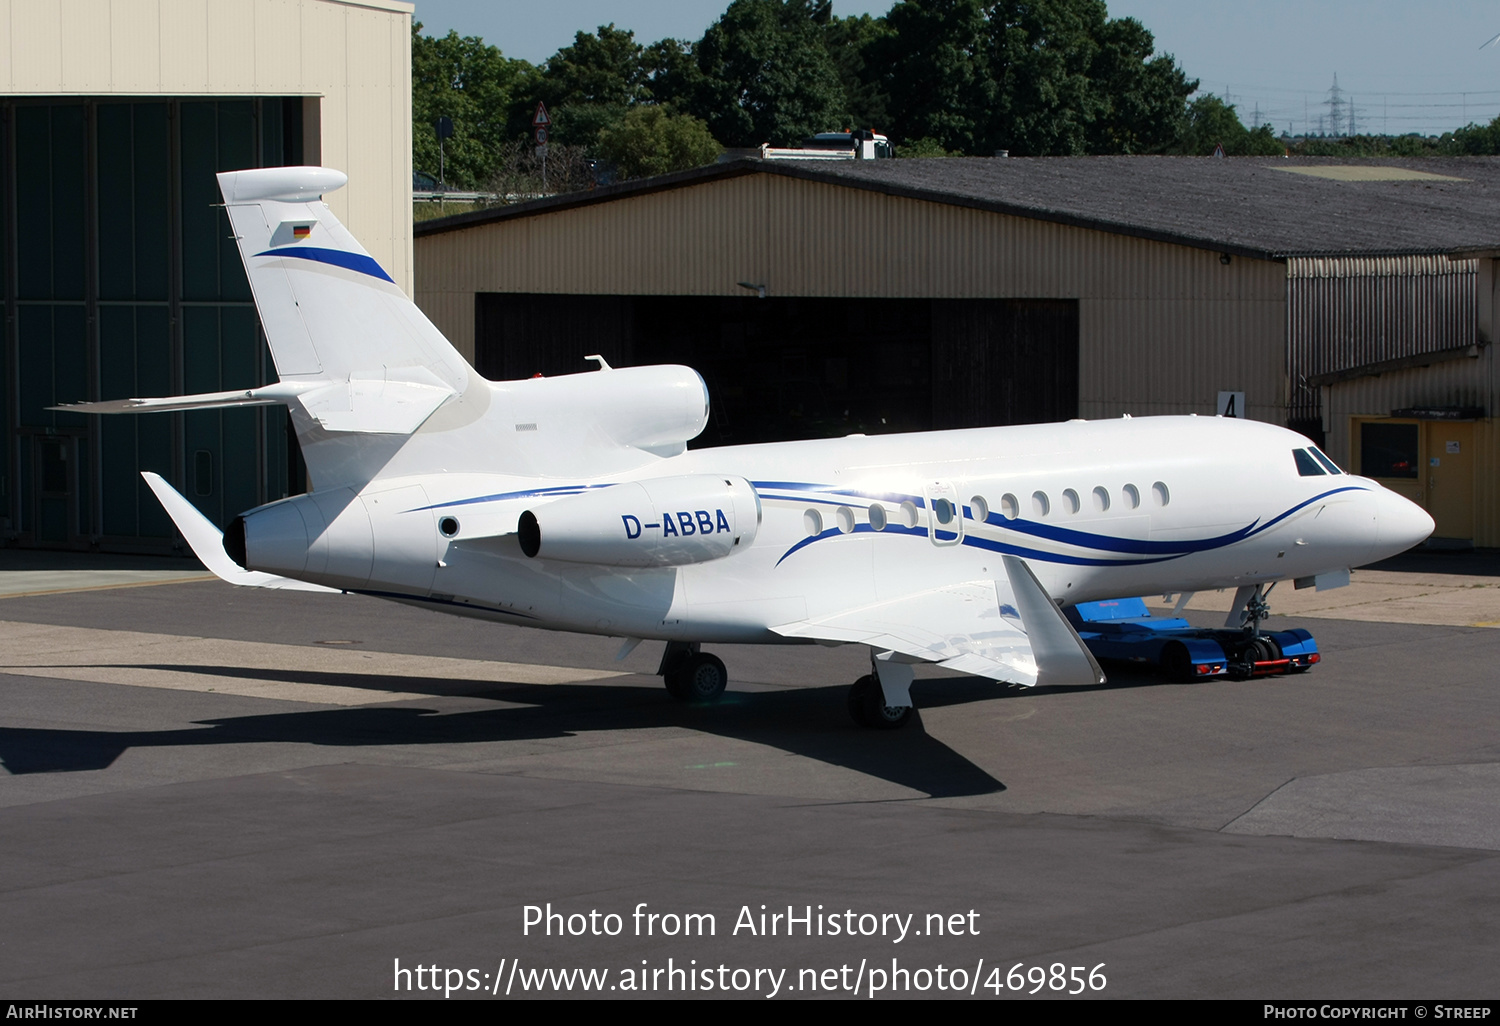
column 1006, row 630
column 207, row 542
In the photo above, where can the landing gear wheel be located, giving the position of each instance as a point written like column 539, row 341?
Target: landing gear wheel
column 699, row 678
column 867, row 706
column 1262, row 650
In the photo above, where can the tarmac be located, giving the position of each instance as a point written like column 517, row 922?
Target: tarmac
column 220, row 792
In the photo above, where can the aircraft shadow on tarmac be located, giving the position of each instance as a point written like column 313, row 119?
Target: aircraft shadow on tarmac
column 810, row 722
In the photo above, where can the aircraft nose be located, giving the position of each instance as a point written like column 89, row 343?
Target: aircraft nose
column 1399, row 524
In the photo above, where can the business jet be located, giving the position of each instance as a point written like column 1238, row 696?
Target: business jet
column 573, row 503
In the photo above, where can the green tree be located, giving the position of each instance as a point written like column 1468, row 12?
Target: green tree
column 1475, row 140
column 1211, row 122
column 849, row 42
column 592, row 83
column 1042, row 56
column 651, row 141
column 1143, row 97
column 934, row 69
column 766, row 74
column 472, row 83
column 1035, row 77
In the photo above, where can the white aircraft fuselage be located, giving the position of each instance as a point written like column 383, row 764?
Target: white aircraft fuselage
column 1133, row 506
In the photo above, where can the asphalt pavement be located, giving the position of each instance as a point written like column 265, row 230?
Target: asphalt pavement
column 220, row 792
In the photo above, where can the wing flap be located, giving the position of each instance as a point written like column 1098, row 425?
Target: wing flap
column 1006, row 630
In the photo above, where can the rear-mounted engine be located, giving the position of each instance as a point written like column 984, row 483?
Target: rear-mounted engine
column 668, row 521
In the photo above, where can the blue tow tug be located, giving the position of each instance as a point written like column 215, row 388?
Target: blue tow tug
column 1125, row 630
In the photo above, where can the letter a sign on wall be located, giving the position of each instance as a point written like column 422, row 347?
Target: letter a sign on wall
column 1231, row 404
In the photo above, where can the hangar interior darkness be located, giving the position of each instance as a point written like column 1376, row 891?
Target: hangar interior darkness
column 781, row 368
column 119, row 279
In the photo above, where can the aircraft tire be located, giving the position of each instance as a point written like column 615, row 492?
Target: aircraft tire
column 699, row 678
column 867, row 706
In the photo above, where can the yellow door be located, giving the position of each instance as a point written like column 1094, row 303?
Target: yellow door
column 1449, row 477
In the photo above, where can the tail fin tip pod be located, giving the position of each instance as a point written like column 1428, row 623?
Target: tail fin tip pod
column 330, row 311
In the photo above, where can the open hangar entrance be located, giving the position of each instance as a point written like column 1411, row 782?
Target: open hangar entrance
column 781, row 368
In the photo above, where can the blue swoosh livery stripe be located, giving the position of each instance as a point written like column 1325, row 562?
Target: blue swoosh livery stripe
column 528, row 493
column 1151, row 551
column 1145, row 551
column 336, row 257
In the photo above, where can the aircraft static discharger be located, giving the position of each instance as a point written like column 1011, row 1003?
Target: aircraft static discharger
column 573, row 503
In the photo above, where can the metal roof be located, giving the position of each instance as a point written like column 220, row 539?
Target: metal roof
column 1267, row 207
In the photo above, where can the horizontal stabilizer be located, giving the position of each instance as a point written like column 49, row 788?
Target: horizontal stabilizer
column 379, row 406
column 208, row 544
column 270, row 395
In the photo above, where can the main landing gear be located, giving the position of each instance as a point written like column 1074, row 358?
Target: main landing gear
column 867, row 706
column 692, row 675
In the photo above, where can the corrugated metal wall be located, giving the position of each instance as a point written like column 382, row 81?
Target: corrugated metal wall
column 1163, row 327
column 353, row 54
column 1349, row 312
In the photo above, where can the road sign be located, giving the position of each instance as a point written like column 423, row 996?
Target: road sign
column 541, row 137
column 540, row 119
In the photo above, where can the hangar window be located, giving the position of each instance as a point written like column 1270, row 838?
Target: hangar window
column 1160, row 495
column 1388, row 450
column 1010, row 506
column 812, row 522
column 1070, row 500
column 1040, row 504
column 1101, row 499
column 1132, row 496
column 979, row 508
column 1306, row 465
column 877, row 516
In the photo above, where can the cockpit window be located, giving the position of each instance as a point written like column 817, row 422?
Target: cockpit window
column 1306, row 465
column 1332, row 467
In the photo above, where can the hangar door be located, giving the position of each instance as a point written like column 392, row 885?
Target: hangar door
column 796, row 367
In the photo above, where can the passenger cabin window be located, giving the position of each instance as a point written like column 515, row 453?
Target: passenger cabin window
column 1306, row 465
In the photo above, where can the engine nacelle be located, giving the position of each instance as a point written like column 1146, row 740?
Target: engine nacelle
column 669, row 521
column 342, row 539
column 658, row 409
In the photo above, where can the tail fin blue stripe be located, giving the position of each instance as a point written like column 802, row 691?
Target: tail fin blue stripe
column 337, row 257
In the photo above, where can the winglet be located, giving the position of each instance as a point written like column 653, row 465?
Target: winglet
column 1061, row 657
column 207, row 542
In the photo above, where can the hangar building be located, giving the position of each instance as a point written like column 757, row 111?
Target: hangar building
column 1354, row 303
column 117, row 273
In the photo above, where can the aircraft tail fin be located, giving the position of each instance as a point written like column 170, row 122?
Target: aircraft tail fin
column 330, row 311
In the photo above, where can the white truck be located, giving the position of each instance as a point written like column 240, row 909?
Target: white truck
column 861, row 144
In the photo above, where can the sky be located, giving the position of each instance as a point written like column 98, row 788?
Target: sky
column 1405, row 67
